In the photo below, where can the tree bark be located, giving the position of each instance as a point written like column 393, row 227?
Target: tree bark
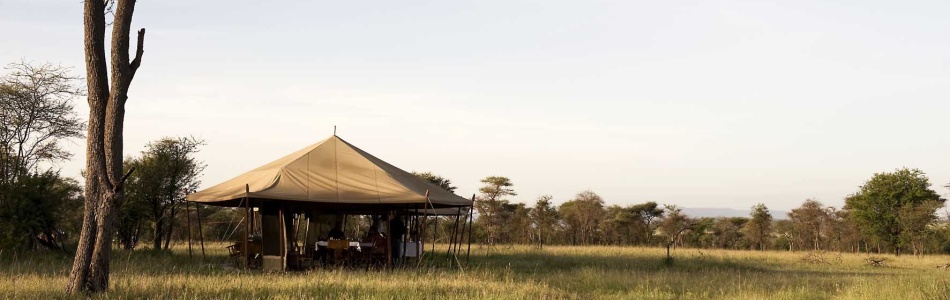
column 90, row 271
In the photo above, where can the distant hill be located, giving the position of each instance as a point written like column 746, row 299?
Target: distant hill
column 728, row 212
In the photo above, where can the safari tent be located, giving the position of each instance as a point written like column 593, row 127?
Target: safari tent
column 331, row 177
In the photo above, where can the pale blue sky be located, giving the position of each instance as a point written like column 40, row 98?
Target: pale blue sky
column 696, row 103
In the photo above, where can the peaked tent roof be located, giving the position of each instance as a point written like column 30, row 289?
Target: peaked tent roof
column 331, row 171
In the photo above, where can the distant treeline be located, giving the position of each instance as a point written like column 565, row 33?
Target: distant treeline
column 893, row 212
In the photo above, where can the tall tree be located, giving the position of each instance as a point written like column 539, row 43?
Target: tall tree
column 809, row 221
column 879, row 202
column 518, row 225
column 165, row 173
column 437, row 180
column 36, row 114
column 544, row 219
column 106, row 97
column 759, row 227
column 491, row 203
column 914, row 220
column 621, row 225
column 583, row 215
column 648, row 213
column 674, row 225
column 728, row 232
column 34, row 210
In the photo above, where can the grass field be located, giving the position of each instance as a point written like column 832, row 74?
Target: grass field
column 557, row 272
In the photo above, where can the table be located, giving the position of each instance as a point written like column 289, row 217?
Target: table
column 325, row 243
column 357, row 245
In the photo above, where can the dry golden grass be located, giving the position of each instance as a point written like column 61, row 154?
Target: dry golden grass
column 557, row 272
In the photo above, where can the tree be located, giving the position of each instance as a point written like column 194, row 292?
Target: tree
column 36, row 113
column 844, row 231
column 620, row 225
column 544, row 218
column 808, row 223
column 34, row 206
column 728, row 232
column 583, row 215
column 878, row 204
column 759, row 227
column 437, row 180
column 106, row 98
column 518, row 225
column 914, row 220
column 673, row 226
column 648, row 213
column 165, row 173
column 491, row 203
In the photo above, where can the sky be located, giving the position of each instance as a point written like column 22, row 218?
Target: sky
column 694, row 103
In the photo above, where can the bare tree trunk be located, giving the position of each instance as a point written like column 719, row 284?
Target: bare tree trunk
column 157, row 237
column 171, row 226
column 90, row 271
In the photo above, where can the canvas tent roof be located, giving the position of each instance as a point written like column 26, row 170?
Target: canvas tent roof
column 331, row 172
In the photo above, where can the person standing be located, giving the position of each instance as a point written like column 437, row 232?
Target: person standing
column 397, row 231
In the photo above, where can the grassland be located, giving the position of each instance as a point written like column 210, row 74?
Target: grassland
column 521, row 272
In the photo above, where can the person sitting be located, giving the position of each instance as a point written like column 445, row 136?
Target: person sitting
column 378, row 239
column 337, row 232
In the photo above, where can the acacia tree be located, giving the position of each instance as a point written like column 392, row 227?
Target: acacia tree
column 673, row 225
column 491, row 203
column 544, row 218
column 36, row 113
column 878, row 205
column 106, row 98
column 808, row 224
column 728, row 232
column 648, row 214
column 165, row 173
column 583, row 215
column 619, row 225
column 437, row 180
column 518, row 225
column 759, row 227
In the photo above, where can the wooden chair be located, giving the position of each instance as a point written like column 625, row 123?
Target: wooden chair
column 339, row 251
column 307, row 256
column 235, row 253
column 363, row 257
column 380, row 251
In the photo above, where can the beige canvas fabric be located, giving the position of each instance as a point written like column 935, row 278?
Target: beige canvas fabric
column 331, row 171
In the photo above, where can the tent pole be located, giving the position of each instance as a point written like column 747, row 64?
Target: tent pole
column 247, row 214
column 458, row 244
column 452, row 240
column 435, row 232
column 201, row 235
column 471, row 216
column 425, row 218
column 282, row 231
column 403, row 240
column 188, row 220
column 389, row 236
